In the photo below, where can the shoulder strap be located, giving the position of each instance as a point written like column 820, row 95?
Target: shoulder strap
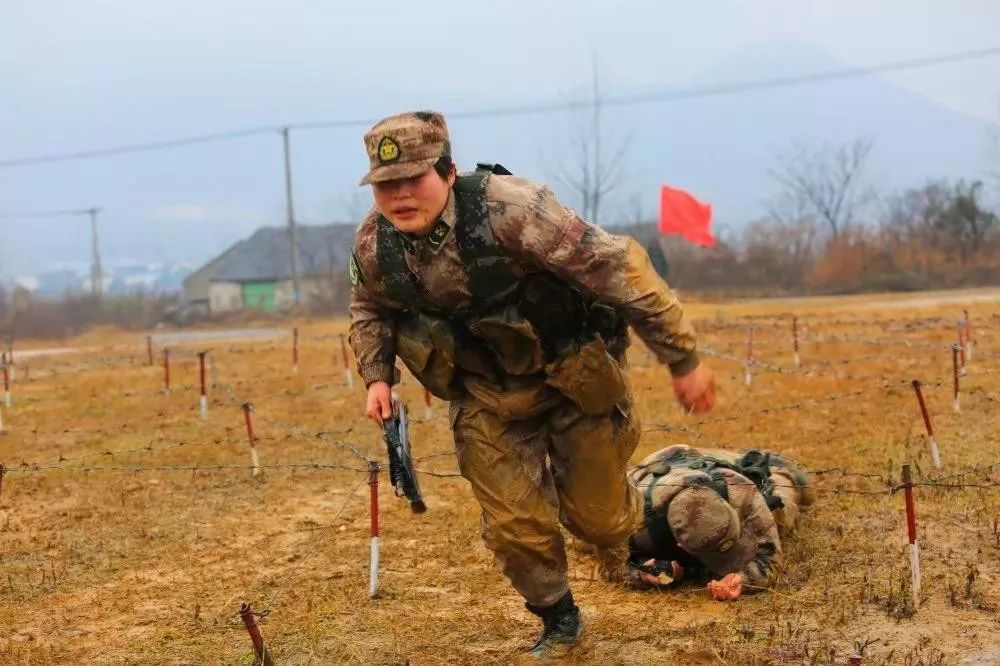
column 490, row 275
column 655, row 521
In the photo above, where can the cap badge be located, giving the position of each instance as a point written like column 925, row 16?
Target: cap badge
column 388, row 150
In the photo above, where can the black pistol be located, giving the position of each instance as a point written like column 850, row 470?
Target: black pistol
column 401, row 473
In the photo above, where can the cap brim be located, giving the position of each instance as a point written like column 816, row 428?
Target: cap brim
column 735, row 558
column 400, row 170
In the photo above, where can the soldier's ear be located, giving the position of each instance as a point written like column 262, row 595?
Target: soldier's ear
column 452, row 174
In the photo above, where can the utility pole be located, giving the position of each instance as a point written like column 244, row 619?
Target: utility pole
column 290, row 210
column 95, row 262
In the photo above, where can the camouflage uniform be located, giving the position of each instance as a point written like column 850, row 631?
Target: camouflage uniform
column 713, row 520
column 519, row 403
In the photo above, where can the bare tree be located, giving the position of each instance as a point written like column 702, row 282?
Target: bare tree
column 826, row 183
column 995, row 171
column 596, row 168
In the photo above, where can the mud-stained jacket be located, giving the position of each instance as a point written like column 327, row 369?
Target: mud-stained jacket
column 536, row 234
column 755, row 552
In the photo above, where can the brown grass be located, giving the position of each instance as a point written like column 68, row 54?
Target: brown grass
column 150, row 566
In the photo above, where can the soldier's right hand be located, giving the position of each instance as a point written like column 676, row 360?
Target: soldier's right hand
column 695, row 391
column 379, row 404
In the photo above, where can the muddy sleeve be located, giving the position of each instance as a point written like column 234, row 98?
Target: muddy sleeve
column 536, row 229
column 372, row 315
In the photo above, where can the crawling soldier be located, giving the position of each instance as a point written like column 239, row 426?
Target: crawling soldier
column 714, row 513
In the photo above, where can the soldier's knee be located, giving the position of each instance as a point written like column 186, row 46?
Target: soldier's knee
column 501, row 533
column 602, row 528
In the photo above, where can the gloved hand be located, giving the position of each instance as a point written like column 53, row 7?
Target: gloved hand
column 729, row 588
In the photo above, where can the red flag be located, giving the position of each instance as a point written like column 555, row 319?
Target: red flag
column 681, row 213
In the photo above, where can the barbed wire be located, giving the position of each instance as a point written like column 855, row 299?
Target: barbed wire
column 832, row 397
column 296, row 428
column 889, row 489
column 25, row 468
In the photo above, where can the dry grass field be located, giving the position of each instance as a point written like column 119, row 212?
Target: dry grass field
column 131, row 530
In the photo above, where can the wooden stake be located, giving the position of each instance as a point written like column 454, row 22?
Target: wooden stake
column 254, row 457
column 149, row 349
column 746, row 372
column 911, row 532
column 373, row 557
column 931, row 442
column 261, row 652
column 295, row 350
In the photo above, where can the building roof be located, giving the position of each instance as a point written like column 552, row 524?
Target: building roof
column 265, row 255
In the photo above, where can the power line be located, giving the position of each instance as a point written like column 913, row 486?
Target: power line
column 137, row 147
column 45, row 213
column 530, row 109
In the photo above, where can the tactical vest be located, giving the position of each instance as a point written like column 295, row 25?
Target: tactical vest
column 531, row 326
column 700, row 469
column 491, row 280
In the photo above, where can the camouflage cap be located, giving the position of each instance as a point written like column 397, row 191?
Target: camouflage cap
column 708, row 527
column 702, row 521
column 405, row 145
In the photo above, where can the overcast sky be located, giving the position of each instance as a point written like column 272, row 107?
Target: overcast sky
column 82, row 74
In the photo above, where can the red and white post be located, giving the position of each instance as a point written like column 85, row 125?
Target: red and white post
column 166, row 370
column 911, row 532
column 961, row 346
column 203, row 400
column 747, row 379
column 6, row 384
column 931, row 442
column 968, row 336
column 795, row 341
column 10, row 362
column 954, row 366
column 295, row 350
column 428, row 410
column 254, row 457
column 348, row 377
column 261, row 652
column 374, row 550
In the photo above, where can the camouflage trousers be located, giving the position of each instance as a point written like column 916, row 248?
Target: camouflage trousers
column 531, row 475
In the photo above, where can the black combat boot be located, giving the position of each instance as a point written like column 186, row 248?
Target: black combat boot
column 562, row 628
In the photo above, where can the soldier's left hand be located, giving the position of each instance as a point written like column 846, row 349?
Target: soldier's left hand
column 696, row 390
column 727, row 589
